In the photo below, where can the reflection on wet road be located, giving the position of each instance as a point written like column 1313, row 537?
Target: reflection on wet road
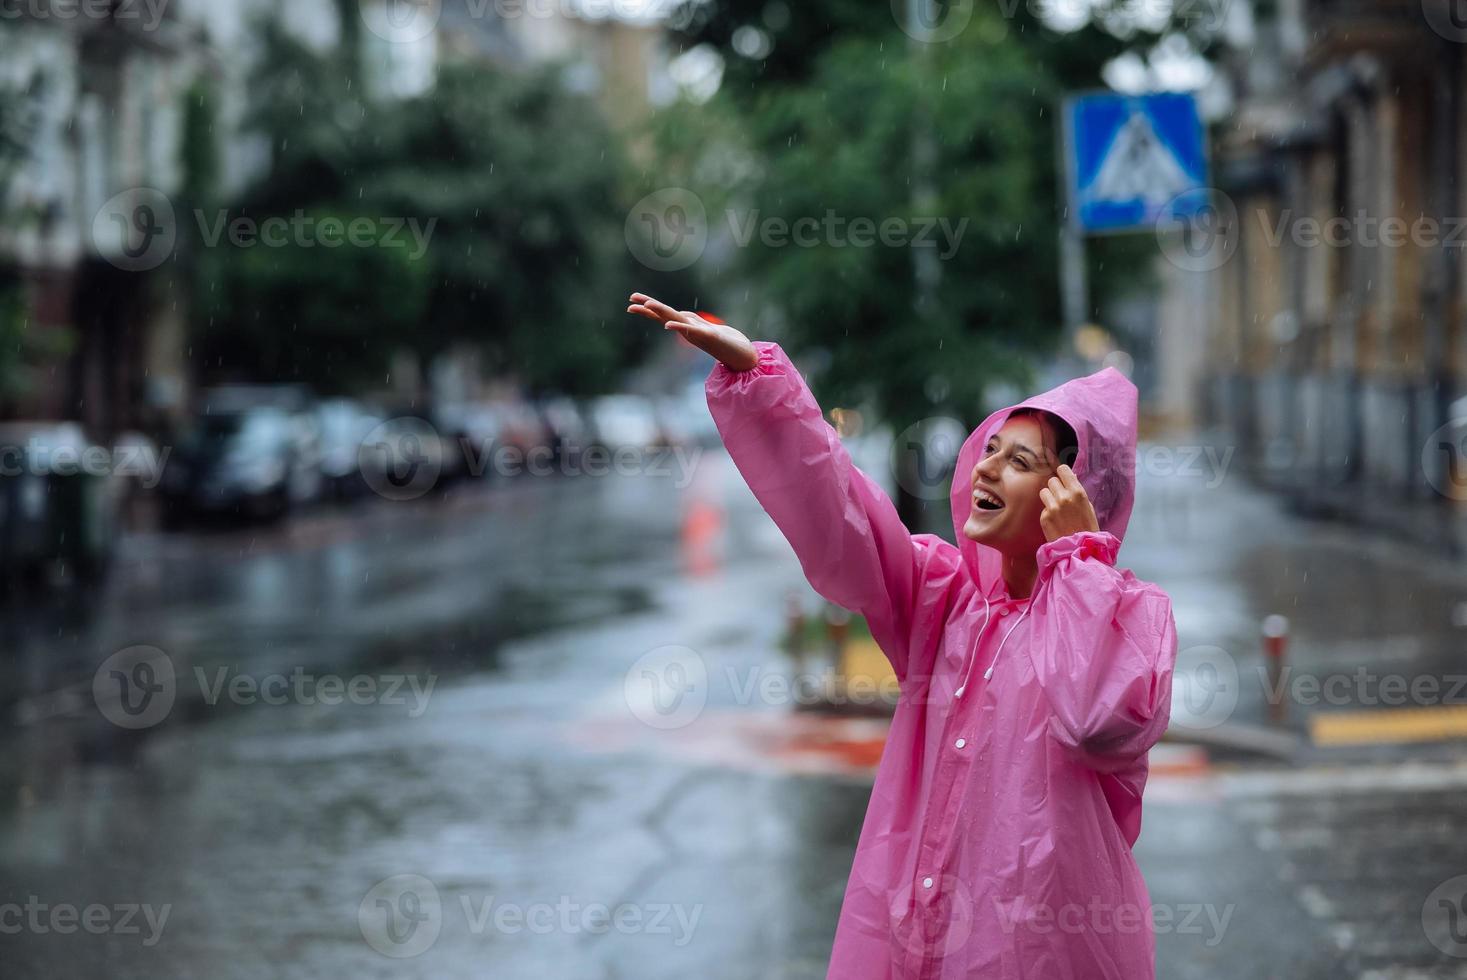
column 254, row 820
column 409, row 739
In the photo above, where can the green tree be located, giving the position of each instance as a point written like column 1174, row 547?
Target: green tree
column 24, row 347
column 328, row 316
column 529, row 257
column 521, row 181
column 829, row 117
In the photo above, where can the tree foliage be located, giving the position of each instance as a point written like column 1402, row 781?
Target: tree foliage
column 522, row 184
column 830, row 118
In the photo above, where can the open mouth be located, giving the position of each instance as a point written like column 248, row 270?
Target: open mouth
column 984, row 500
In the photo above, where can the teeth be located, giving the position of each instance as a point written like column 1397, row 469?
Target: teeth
column 985, row 495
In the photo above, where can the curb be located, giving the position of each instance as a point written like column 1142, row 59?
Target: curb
column 1240, row 738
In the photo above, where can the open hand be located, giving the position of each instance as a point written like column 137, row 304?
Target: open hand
column 1067, row 506
column 719, row 339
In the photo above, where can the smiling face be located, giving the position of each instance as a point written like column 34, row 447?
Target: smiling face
column 1016, row 464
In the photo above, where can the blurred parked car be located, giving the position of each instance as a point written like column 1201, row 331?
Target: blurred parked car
column 462, row 430
column 407, row 456
column 691, row 408
column 253, row 462
column 56, row 511
column 624, row 420
column 569, row 432
column 306, row 482
column 481, row 432
column 344, row 424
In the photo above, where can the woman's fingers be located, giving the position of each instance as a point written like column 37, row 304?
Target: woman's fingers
column 1068, row 478
column 661, row 309
column 1047, row 497
column 675, row 325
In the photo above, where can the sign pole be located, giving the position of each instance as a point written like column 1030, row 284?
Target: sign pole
column 1074, row 298
column 1073, row 293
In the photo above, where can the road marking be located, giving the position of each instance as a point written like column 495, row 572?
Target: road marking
column 1421, row 724
column 1372, row 779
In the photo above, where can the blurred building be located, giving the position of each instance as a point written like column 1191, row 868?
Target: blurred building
column 1336, row 343
column 93, row 118
column 95, row 107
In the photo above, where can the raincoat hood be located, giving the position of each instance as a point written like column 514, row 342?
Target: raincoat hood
column 1101, row 408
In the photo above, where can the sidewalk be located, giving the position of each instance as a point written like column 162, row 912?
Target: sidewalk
column 1376, row 626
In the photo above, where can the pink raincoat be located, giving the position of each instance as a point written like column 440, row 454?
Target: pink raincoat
column 997, row 843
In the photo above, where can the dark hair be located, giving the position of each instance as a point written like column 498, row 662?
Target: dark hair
column 1066, row 446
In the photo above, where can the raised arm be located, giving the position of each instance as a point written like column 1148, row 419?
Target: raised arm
column 851, row 544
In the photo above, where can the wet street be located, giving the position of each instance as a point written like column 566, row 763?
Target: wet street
column 416, row 739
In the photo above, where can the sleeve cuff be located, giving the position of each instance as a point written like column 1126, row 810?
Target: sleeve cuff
column 772, row 360
column 1082, row 544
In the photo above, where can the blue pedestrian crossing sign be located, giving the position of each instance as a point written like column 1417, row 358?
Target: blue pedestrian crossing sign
column 1134, row 160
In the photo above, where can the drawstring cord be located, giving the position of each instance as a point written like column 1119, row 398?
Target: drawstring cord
column 962, row 687
column 988, row 674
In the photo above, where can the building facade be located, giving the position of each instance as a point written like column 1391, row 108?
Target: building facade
column 93, row 112
column 1336, row 351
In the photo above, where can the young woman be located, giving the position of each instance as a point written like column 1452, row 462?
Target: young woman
column 1035, row 675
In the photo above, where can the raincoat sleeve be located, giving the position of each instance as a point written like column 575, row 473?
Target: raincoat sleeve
column 1104, row 646
column 844, row 529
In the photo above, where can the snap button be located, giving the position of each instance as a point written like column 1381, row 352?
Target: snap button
column 961, row 742
column 926, row 882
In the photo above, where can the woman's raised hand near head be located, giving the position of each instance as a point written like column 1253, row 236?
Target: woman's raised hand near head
column 725, row 343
